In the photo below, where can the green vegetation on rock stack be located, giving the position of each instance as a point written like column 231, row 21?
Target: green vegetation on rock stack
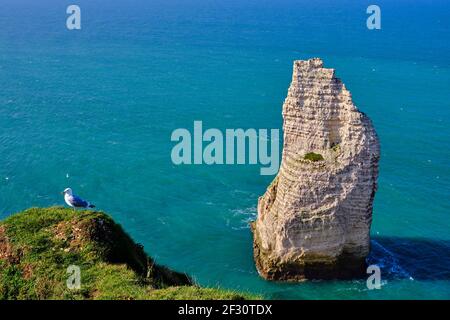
column 37, row 246
column 311, row 156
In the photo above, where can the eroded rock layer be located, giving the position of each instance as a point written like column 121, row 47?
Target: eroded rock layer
column 314, row 219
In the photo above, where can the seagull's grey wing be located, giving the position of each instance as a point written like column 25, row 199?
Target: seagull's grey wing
column 78, row 202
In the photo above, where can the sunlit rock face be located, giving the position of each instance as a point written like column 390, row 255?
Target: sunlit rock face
column 314, row 219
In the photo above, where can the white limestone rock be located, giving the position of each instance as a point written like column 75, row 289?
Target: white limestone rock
column 314, row 219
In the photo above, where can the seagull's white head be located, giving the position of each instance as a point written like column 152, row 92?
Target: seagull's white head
column 67, row 191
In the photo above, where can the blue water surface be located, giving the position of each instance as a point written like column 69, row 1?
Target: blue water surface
column 94, row 109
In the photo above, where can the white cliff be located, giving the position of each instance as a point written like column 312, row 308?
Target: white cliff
column 314, row 219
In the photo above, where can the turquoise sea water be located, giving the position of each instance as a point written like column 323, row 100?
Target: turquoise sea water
column 94, row 110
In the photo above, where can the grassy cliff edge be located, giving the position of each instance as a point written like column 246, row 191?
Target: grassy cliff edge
column 38, row 245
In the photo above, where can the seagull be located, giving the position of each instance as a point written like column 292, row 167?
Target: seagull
column 75, row 201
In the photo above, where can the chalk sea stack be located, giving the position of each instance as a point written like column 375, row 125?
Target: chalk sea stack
column 314, row 219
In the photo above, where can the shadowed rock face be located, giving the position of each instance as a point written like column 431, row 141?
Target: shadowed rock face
column 314, row 219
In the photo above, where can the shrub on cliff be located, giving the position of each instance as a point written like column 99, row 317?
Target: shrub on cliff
column 311, row 156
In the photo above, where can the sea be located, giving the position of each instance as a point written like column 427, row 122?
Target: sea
column 94, row 109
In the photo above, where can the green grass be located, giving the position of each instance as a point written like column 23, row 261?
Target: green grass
column 194, row 293
column 311, row 156
column 37, row 246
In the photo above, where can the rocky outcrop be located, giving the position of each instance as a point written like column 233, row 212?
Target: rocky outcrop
column 39, row 245
column 314, row 219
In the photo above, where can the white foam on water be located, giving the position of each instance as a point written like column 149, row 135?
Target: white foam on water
column 243, row 217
